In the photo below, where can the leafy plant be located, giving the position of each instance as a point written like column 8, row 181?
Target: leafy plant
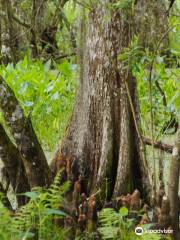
column 114, row 225
column 37, row 217
column 46, row 95
column 165, row 84
column 131, row 55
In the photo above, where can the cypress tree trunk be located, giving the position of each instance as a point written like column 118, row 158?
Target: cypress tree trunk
column 102, row 147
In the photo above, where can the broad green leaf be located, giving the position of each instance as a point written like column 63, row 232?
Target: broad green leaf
column 123, row 211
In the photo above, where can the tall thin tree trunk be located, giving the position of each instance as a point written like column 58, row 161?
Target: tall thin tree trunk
column 13, row 38
column 0, row 37
column 38, row 24
column 174, row 187
column 151, row 25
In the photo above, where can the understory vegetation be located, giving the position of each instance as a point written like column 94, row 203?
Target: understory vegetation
column 47, row 215
column 45, row 94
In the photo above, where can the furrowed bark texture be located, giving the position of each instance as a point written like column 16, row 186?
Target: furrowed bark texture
column 13, row 164
column 174, row 187
column 34, row 160
column 102, row 147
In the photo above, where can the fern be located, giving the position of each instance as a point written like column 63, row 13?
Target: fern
column 36, row 218
column 115, row 225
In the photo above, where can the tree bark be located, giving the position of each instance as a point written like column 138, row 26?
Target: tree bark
column 12, row 31
column 38, row 24
column 13, row 164
column 34, row 159
column 102, row 147
column 5, row 199
column 174, row 187
column 0, row 36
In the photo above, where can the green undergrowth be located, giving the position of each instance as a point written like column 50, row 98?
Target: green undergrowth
column 42, row 219
column 37, row 219
column 46, row 92
column 115, row 225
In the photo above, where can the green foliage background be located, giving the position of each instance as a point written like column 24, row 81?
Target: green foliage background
column 46, row 95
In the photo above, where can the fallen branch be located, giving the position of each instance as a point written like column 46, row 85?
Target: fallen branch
column 64, row 56
column 158, row 145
